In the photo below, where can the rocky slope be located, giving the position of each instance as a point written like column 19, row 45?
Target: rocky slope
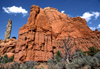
column 39, row 39
column 8, row 47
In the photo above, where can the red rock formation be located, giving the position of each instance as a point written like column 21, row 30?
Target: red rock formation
column 39, row 39
column 8, row 47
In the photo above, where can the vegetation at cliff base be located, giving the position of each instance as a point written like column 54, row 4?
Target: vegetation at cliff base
column 5, row 59
column 92, row 51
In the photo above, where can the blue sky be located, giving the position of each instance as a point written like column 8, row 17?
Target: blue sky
column 18, row 11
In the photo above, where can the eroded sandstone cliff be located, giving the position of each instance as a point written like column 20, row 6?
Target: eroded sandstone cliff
column 39, row 39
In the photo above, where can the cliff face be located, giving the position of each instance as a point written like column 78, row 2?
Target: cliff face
column 7, row 46
column 39, row 38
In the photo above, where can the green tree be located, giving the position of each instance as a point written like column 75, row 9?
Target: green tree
column 58, row 56
column 5, row 59
column 83, row 52
column 92, row 51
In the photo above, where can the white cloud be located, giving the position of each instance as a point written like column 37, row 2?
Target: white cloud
column 98, row 26
column 88, row 15
column 62, row 11
column 92, row 28
column 96, row 14
column 15, row 10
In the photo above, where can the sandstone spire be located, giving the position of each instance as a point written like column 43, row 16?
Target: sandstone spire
column 8, row 29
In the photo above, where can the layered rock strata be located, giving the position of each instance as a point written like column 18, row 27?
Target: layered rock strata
column 7, row 46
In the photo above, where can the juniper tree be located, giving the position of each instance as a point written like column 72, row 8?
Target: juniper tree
column 58, row 56
column 92, row 51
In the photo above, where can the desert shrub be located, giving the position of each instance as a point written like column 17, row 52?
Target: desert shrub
column 78, row 54
column 61, row 65
column 23, row 66
column 88, row 67
column 94, row 62
column 92, row 51
column 44, row 63
column 15, row 65
column 87, row 59
column 97, row 56
column 83, row 52
column 11, row 59
column 6, row 66
column 5, row 59
column 72, row 66
column 58, row 56
column 95, row 68
column 79, row 61
column 53, row 66
column 1, row 59
column 41, row 67
column 30, row 64
column 51, row 61
column 34, row 68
